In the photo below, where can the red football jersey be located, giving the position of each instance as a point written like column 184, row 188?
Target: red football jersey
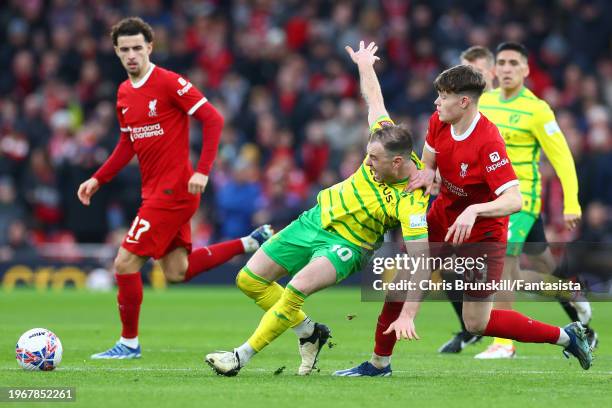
column 474, row 168
column 154, row 117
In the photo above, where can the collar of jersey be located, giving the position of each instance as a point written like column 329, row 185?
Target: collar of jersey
column 468, row 132
column 144, row 78
column 519, row 94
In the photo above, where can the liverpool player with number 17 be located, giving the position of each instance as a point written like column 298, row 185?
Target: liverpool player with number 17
column 153, row 108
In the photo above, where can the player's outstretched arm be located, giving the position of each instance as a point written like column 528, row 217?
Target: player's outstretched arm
column 404, row 326
column 365, row 57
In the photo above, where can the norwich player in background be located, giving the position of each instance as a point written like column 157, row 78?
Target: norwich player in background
column 483, row 60
column 528, row 126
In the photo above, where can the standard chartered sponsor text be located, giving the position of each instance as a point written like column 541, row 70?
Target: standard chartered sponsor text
column 143, row 132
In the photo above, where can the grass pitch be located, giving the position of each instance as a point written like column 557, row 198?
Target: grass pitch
column 180, row 325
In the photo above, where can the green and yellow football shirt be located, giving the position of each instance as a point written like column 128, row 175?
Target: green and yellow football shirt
column 361, row 209
column 528, row 126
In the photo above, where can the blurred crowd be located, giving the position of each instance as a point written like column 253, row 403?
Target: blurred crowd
column 295, row 121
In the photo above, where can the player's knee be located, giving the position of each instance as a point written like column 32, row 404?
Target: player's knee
column 474, row 325
column 249, row 285
column 174, row 276
column 243, row 282
column 122, row 265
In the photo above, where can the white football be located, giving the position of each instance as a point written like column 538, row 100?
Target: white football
column 38, row 349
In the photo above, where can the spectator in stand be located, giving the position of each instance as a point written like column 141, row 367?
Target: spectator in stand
column 280, row 73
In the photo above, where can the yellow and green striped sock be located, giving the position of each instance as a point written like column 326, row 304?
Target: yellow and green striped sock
column 285, row 313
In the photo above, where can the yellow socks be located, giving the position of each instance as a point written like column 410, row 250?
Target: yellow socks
column 286, row 312
column 263, row 292
column 502, row 342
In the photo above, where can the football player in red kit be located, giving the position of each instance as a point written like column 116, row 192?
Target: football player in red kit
column 153, row 109
column 479, row 190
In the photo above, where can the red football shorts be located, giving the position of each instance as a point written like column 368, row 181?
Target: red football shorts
column 488, row 247
column 160, row 228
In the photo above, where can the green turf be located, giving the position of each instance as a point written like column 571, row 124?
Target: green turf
column 180, row 325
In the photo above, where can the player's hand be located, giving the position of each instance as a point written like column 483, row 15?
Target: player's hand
column 197, row 183
column 571, row 220
column 462, row 227
column 87, row 189
column 364, row 55
column 403, row 328
column 424, row 178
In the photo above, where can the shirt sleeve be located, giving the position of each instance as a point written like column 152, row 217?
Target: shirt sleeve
column 412, row 212
column 183, row 94
column 430, row 142
column 121, row 156
column 496, row 166
column 555, row 147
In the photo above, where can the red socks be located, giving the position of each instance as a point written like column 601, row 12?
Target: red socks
column 204, row 259
column 506, row 324
column 509, row 324
column 384, row 343
column 129, row 298
column 129, row 295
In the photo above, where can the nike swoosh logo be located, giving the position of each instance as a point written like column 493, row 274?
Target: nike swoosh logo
column 131, row 241
column 124, row 110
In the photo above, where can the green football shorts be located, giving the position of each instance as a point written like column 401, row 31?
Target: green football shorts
column 304, row 240
column 518, row 229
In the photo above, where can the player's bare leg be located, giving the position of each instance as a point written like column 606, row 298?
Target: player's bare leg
column 503, row 348
column 463, row 338
column 178, row 266
column 129, row 298
column 481, row 318
column 263, row 266
column 174, row 265
column 543, row 262
column 127, row 262
column 285, row 312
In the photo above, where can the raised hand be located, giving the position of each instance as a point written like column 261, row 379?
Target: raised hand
column 364, row 55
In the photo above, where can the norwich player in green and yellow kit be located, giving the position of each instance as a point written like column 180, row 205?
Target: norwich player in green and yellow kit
column 528, row 127
column 333, row 240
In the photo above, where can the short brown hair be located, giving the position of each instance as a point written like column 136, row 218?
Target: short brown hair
column 131, row 26
column 395, row 139
column 461, row 79
column 478, row 52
